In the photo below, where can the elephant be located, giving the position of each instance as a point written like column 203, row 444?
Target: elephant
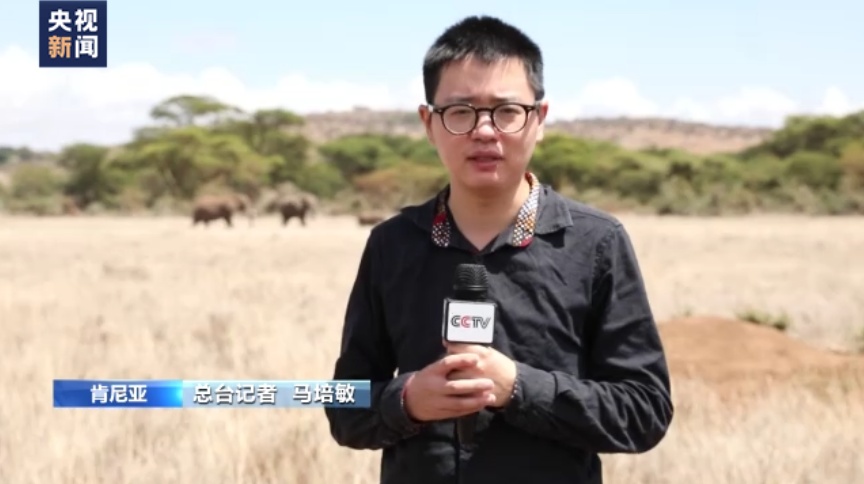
column 299, row 206
column 213, row 207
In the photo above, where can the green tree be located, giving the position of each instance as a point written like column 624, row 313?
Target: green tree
column 187, row 158
column 852, row 164
column 267, row 132
column 814, row 169
column 187, row 109
column 29, row 181
column 634, row 175
column 561, row 160
column 91, row 175
column 321, row 179
column 412, row 150
column 401, row 183
column 823, row 134
column 36, row 188
column 355, row 155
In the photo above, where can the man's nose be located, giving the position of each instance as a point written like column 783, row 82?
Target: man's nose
column 485, row 127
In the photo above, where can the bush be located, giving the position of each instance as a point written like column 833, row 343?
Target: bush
column 401, row 184
column 321, row 179
column 780, row 322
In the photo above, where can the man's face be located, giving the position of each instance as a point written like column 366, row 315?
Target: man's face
column 485, row 158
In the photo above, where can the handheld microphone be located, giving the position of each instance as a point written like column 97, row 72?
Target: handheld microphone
column 469, row 317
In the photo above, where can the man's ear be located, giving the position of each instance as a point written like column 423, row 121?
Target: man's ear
column 426, row 118
column 542, row 112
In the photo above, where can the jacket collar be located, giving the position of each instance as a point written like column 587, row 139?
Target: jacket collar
column 544, row 211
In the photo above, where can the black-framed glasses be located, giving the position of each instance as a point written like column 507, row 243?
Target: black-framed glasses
column 462, row 118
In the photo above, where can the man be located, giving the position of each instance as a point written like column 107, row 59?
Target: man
column 577, row 367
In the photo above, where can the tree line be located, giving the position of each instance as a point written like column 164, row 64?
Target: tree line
column 198, row 144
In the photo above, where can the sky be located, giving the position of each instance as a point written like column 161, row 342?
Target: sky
column 732, row 62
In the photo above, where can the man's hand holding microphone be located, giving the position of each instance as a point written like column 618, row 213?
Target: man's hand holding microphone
column 472, row 375
column 469, row 378
column 491, row 364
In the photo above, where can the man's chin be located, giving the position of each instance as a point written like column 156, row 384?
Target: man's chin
column 475, row 177
column 482, row 182
column 480, row 177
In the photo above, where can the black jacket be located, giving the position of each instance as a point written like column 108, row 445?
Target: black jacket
column 574, row 315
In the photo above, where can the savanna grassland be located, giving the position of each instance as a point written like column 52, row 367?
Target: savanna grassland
column 105, row 297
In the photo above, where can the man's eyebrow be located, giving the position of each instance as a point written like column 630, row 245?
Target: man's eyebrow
column 476, row 100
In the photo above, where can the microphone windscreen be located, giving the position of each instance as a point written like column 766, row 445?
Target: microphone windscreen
column 470, row 277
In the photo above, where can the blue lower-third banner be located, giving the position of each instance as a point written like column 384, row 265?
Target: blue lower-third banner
column 211, row 393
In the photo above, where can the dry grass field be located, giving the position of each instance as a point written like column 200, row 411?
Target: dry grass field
column 154, row 298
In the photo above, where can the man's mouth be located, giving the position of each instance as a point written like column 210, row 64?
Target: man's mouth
column 485, row 158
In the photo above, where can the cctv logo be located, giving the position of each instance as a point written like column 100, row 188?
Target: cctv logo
column 470, row 321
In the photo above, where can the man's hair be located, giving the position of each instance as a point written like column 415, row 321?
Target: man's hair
column 487, row 39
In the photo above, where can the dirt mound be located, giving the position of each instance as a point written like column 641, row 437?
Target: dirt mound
column 728, row 351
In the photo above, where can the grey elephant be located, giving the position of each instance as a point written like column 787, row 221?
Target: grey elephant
column 288, row 207
column 214, row 207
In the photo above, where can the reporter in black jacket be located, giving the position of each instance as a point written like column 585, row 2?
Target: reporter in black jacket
column 577, row 367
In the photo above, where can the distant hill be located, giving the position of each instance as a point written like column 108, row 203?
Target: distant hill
column 630, row 133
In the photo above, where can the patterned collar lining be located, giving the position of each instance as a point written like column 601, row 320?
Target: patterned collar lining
column 526, row 219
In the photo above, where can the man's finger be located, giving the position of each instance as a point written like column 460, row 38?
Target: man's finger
column 464, row 387
column 464, row 374
column 460, row 348
column 456, row 362
column 468, row 405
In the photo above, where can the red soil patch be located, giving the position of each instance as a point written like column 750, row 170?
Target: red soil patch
column 727, row 351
